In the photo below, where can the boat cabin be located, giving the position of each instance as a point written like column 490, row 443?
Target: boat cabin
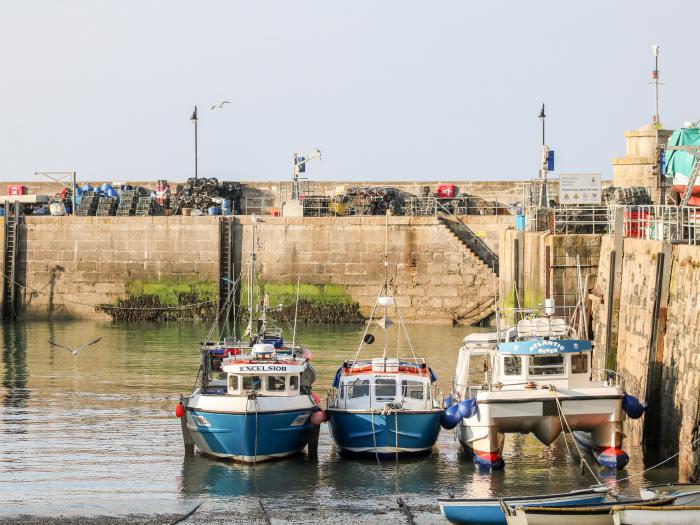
column 265, row 371
column 374, row 384
column 539, row 352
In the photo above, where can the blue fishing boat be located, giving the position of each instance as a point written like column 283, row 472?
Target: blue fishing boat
column 488, row 511
column 254, row 400
column 386, row 407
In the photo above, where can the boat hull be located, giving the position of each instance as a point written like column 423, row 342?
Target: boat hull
column 482, row 435
column 656, row 516
column 488, row 511
column 250, row 437
column 405, row 433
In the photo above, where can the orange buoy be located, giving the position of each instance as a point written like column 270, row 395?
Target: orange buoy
column 318, row 417
column 316, row 398
column 179, row 410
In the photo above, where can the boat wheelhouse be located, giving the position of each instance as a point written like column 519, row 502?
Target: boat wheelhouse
column 537, row 378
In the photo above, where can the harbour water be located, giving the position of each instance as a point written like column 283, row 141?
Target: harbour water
column 96, row 434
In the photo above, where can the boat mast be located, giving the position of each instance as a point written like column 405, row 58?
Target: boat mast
column 251, row 278
column 386, row 279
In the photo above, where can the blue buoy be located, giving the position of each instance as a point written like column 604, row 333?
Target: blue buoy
column 448, row 401
column 450, row 417
column 467, row 408
column 214, row 211
column 632, row 406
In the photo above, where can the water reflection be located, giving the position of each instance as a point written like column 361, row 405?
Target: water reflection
column 97, row 434
column 15, row 376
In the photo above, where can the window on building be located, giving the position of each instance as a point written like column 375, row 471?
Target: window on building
column 359, row 389
column 275, row 383
column 546, row 365
column 412, row 389
column 385, row 388
column 512, row 365
column 579, row 363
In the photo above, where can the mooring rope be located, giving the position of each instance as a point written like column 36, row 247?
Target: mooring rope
column 635, row 474
column 563, row 416
column 183, row 518
column 374, row 439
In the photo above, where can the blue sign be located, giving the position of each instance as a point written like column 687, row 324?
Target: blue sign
column 550, row 160
column 545, row 347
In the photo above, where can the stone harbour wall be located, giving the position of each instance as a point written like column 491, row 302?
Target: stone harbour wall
column 70, row 264
column 436, row 278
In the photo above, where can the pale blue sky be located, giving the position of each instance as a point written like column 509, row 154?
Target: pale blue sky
column 434, row 90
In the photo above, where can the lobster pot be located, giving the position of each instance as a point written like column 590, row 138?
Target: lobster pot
column 57, row 209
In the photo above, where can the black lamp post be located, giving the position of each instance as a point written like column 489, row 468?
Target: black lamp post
column 193, row 118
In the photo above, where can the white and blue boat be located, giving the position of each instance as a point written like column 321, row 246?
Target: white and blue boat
column 536, row 378
column 385, row 407
column 254, row 400
column 488, row 511
column 262, row 407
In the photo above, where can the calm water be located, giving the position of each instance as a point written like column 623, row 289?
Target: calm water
column 97, row 434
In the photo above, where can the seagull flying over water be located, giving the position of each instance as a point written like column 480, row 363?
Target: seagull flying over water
column 75, row 351
column 220, row 105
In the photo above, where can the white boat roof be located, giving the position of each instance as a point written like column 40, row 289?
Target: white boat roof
column 263, row 367
column 488, row 337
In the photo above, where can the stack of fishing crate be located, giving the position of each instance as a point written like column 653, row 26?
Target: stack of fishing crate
column 88, row 204
column 107, row 206
column 127, row 203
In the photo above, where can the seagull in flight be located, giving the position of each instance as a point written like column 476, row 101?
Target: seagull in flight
column 220, row 105
column 75, row 351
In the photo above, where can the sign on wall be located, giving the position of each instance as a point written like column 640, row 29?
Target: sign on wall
column 579, row 188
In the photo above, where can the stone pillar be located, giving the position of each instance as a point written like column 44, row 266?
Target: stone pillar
column 640, row 165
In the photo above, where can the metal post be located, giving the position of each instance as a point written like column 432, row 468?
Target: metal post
column 194, row 119
column 72, row 196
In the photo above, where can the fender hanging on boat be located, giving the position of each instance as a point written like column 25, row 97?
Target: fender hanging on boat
column 632, row 406
column 450, row 417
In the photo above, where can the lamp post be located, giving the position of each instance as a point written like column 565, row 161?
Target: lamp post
column 544, row 198
column 193, row 118
column 655, row 78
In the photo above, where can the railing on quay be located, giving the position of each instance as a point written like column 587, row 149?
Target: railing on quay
column 674, row 224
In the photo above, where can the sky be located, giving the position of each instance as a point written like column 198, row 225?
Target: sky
column 387, row 90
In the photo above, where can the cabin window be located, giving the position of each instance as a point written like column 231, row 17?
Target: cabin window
column 512, row 365
column 385, row 387
column 233, row 383
column 546, row 365
column 293, row 382
column 579, row 364
column 359, row 389
column 252, row 383
column 411, row 389
column 275, row 383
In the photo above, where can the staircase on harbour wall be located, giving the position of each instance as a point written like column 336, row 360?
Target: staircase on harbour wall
column 470, row 241
column 481, row 256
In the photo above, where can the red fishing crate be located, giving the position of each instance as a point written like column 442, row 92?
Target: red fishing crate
column 446, row 191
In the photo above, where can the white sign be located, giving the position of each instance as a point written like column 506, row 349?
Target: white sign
column 579, row 188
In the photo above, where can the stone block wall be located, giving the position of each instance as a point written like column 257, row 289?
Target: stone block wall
column 70, row 264
column 599, row 306
column 436, row 278
column 680, row 385
column 637, row 296
column 75, row 262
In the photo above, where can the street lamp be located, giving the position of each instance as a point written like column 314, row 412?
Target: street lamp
column 193, row 118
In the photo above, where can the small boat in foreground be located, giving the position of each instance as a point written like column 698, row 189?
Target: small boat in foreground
column 645, row 515
column 687, row 494
column 599, row 514
column 488, row 511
